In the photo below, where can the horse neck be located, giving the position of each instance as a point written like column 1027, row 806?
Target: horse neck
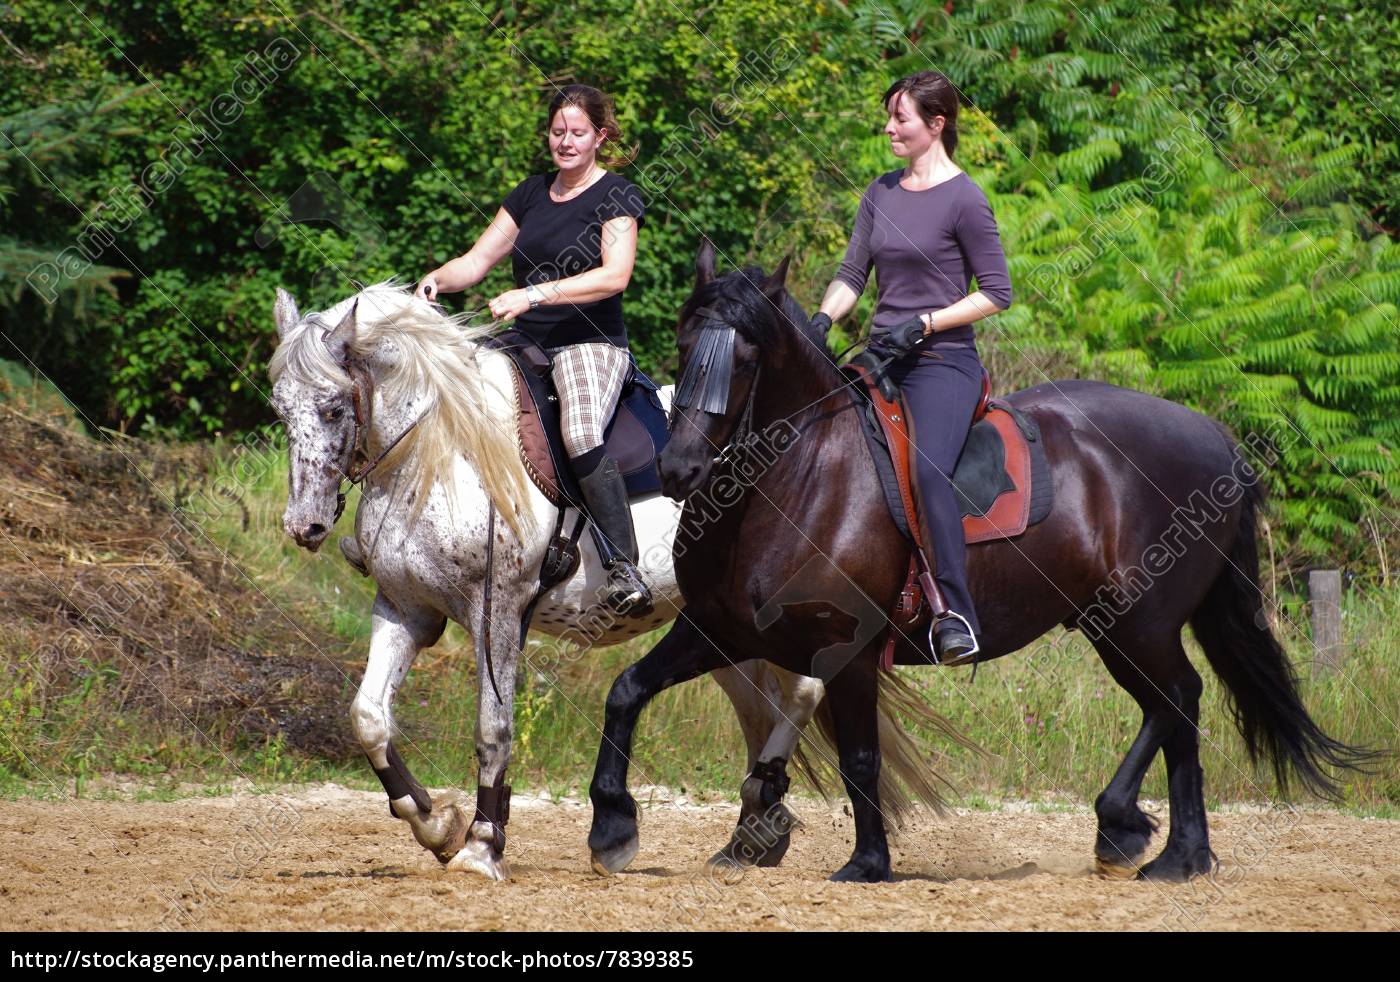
column 795, row 379
column 396, row 409
column 471, row 421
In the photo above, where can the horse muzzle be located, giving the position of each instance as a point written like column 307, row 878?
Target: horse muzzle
column 682, row 475
column 308, row 534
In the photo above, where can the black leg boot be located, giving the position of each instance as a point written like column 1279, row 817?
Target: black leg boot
column 605, row 495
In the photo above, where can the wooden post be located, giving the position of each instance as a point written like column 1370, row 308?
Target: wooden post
column 1325, row 597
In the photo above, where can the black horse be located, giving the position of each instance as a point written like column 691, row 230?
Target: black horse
column 1155, row 507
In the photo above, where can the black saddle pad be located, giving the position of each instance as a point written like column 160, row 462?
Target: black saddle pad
column 980, row 475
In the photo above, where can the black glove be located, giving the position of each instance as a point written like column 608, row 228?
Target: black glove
column 818, row 326
column 901, row 339
column 894, row 344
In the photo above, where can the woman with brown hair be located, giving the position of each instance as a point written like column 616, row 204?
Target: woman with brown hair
column 927, row 230
column 572, row 238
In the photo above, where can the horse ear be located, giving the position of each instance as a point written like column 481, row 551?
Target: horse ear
column 705, row 262
column 341, row 338
column 774, row 284
column 284, row 313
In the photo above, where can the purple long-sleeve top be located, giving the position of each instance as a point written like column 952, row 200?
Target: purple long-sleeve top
column 925, row 246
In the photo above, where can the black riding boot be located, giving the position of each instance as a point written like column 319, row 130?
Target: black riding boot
column 953, row 640
column 605, row 495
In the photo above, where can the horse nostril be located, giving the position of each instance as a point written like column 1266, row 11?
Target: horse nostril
column 315, row 530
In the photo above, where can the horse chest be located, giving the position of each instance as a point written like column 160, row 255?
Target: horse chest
column 429, row 551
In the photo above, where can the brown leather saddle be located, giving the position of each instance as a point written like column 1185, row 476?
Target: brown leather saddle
column 1002, row 479
column 634, row 436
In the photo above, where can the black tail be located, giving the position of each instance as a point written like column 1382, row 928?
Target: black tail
column 1232, row 627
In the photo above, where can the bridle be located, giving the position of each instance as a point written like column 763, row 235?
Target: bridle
column 361, row 465
column 709, row 374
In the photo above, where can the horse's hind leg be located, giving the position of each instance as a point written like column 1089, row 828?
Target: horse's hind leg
column 773, row 715
column 397, row 637
column 1155, row 671
column 1188, row 851
column 853, row 695
column 680, row 656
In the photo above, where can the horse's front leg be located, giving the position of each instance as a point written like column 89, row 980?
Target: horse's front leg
column 680, row 656
column 497, row 664
column 853, row 695
column 399, row 633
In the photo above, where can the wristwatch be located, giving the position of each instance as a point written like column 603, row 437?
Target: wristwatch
column 533, row 294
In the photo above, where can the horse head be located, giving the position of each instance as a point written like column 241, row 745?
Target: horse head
column 383, row 381
column 320, row 404
column 725, row 326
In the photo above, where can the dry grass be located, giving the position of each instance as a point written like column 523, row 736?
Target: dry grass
column 120, row 615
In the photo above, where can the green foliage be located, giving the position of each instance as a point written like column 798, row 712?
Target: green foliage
column 1201, row 288
column 384, row 149
column 1330, row 63
column 1204, row 199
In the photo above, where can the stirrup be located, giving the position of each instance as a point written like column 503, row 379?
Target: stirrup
column 958, row 658
column 628, row 593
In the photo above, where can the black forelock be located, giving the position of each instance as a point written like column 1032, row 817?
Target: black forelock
column 738, row 298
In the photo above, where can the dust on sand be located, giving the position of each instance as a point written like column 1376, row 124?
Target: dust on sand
column 332, row 858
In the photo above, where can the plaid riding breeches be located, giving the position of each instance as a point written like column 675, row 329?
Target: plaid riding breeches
column 588, row 378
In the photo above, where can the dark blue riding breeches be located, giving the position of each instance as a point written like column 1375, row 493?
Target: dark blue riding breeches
column 941, row 385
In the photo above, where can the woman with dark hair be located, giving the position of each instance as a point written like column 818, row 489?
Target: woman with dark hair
column 927, row 229
column 572, row 238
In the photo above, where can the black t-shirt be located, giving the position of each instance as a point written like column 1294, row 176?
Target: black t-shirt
column 562, row 239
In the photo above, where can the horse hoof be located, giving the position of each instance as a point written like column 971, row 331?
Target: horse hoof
column 443, row 831
column 723, row 859
column 1177, row 868
column 736, row 853
column 857, row 872
column 1114, row 871
column 481, row 858
column 606, row 862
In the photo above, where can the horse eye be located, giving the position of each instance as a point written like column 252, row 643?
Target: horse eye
column 333, row 414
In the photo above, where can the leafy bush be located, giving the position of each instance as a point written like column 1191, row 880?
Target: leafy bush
column 1176, row 218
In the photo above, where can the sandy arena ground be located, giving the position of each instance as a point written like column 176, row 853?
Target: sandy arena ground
column 331, row 858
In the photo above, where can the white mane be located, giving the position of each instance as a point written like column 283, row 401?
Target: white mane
column 435, row 354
